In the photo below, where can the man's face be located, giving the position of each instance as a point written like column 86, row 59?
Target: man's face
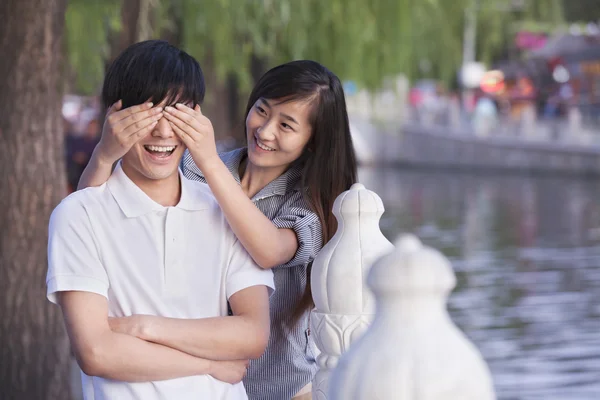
column 156, row 156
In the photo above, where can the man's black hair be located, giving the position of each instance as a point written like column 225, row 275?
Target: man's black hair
column 154, row 71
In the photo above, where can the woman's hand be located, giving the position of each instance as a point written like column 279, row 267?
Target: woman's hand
column 196, row 132
column 123, row 128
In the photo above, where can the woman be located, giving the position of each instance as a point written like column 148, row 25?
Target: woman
column 277, row 195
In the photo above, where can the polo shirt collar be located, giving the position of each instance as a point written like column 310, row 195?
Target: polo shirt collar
column 134, row 202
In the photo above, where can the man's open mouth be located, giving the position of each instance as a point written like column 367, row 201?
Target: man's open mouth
column 160, row 151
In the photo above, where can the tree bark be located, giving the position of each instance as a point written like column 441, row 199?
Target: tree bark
column 34, row 353
column 216, row 102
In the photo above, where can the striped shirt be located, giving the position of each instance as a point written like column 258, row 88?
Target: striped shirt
column 288, row 363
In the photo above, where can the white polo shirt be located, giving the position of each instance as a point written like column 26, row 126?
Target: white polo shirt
column 179, row 262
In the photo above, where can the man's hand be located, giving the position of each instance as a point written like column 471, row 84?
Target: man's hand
column 196, row 132
column 123, row 128
column 229, row 371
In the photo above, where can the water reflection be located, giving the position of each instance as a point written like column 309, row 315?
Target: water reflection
column 526, row 252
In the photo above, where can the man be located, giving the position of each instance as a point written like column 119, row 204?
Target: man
column 149, row 241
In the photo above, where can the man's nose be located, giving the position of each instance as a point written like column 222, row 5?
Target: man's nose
column 163, row 129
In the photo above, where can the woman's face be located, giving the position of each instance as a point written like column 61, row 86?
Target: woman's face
column 277, row 132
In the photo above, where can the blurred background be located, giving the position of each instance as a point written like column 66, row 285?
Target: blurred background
column 476, row 121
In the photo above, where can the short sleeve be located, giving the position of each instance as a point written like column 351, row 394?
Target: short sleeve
column 297, row 214
column 73, row 260
column 243, row 272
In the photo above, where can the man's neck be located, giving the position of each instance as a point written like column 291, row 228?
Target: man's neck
column 166, row 192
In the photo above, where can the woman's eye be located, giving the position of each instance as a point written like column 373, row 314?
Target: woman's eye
column 261, row 110
column 285, row 126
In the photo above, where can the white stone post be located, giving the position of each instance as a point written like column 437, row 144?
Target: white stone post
column 343, row 305
column 412, row 350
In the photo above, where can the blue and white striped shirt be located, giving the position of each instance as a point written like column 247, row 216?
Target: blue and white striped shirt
column 288, row 364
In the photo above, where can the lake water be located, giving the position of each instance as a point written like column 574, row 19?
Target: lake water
column 526, row 253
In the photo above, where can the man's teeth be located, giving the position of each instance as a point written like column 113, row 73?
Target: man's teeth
column 161, row 148
column 262, row 146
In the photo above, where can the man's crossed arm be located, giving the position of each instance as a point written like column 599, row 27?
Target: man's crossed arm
column 113, row 355
column 244, row 335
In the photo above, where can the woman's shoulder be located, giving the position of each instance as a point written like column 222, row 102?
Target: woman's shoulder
column 233, row 157
column 230, row 158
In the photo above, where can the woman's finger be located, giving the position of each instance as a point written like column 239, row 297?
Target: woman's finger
column 185, row 109
column 140, row 134
column 140, row 115
column 191, row 130
column 137, row 121
column 185, row 138
column 114, row 108
column 188, row 116
column 133, row 129
column 123, row 114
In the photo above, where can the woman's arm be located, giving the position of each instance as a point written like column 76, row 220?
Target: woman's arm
column 268, row 245
column 96, row 172
column 122, row 129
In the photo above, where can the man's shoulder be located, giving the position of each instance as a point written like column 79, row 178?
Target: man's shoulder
column 209, row 214
column 77, row 204
column 200, row 192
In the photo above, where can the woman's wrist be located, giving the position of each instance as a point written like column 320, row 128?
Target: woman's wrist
column 100, row 161
column 209, row 164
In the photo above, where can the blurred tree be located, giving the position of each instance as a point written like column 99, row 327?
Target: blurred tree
column 91, row 26
column 35, row 352
column 582, row 10
column 500, row 21
column 363, row 41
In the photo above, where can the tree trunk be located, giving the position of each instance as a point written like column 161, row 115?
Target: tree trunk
column 136, row 21
column 216, row 102
column 130, row 14
column 34, row 355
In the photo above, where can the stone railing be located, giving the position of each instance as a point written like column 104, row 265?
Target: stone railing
column 400, row 344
